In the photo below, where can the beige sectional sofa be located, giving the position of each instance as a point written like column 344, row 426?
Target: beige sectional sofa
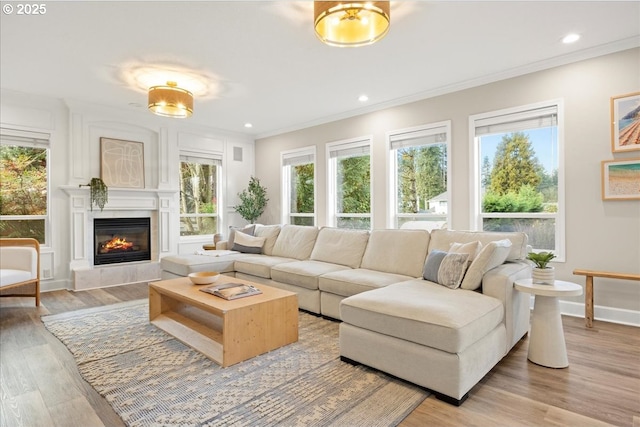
column 444, row 337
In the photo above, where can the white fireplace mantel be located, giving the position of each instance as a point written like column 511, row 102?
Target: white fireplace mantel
column 160, row 205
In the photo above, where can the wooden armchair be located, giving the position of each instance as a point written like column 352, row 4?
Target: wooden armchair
column 20, row 268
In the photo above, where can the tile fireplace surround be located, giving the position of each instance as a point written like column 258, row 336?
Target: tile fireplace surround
column 130, row 203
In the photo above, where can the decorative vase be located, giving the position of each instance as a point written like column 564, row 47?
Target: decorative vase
column 545, row 276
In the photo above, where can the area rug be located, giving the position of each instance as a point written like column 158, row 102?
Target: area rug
column 151, row 379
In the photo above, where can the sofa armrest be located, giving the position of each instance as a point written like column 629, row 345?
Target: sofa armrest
column 498, row 283
column 222, row 245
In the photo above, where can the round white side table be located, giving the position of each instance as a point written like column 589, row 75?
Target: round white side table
column 546, row 340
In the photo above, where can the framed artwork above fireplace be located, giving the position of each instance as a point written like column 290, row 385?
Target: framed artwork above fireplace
column 122, row 163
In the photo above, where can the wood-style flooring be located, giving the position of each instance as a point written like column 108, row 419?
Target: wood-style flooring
column 40, row 384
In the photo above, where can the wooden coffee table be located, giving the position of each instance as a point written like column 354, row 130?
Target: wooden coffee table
column 227, row 332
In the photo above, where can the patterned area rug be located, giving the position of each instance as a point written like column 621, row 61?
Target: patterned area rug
column 152, row 379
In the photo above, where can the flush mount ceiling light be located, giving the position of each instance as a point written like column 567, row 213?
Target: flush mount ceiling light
column 170, row 101
column 348, row 24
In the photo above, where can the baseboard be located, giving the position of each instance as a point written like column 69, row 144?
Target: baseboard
column 54, row 285
column 602, row 313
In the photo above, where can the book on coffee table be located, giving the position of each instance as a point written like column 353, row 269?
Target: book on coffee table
column 231, row 291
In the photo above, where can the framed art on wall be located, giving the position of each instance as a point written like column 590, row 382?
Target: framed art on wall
column 122, row 163
column 621, row 179
column 625, row 122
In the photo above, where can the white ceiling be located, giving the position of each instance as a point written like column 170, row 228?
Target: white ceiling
column 267, row 67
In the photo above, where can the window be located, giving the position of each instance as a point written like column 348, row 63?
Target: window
column 298, row 186
column 24, row 184
column 518, row 173
column 349, row 184
column 199, row 190
column 419, row 176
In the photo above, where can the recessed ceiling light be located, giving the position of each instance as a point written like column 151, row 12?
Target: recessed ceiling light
column 571, row 38
column 248, row 125
column 363, row 98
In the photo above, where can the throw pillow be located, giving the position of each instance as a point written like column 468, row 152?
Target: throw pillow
column 446, row 269
column 247, row 244
column 249, row 229
column 471, row 248
column 492, row 255
column 270, row 234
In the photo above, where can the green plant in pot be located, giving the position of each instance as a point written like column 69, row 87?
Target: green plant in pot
column 99, row 192
column 253, row 201
column 542, row 272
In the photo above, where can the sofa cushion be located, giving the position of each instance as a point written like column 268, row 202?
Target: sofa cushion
column 259, row 265
column 446, row 269
column 397, row 251
column 425, row 313
column 491, row 256
column 303, row 273
column 270, row 234
column 352, row 281
column 247, row 244
column 442, row 239
column 295, row 241
column 340, row 246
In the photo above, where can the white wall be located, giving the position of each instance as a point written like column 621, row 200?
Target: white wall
column 600, row 235
column 76, row 129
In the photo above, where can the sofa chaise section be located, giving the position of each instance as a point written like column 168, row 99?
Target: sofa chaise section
column 423, row 334
column 391, row 256
column 440, row 338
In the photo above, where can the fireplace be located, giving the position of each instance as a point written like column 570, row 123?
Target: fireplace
column 117, row 240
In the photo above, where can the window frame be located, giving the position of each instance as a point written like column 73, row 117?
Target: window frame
column 285, row 182
column 519, row 113
column 32, row 139
column 217, row 160
column 347, row 144
column 392, row 166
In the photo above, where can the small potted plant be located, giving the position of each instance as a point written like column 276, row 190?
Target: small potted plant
column 542, row 273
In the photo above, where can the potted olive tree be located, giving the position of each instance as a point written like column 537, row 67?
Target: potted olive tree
column 542, row 272
column 253, row 201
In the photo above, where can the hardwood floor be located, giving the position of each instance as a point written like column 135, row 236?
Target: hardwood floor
column 40, row 385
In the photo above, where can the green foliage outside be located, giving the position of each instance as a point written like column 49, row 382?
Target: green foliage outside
column 525, row 200
column 198, row 199
column 253, row 201
column 354, row 185
column 422, row 175
column 517, row 182
column 23, row 190
column 302, row 187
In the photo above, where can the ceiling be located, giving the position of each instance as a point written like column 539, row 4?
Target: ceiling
column 263, row 63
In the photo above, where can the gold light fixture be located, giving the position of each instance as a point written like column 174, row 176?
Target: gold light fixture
column 351, row 24
column 170, row 101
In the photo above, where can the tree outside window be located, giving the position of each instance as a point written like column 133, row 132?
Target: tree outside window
column 419, row 176
column 302, row 206
column 349, row 171
column 298, row 186
column 353, row 196
column 519, row 175
column 23, row 191
column 198, row 196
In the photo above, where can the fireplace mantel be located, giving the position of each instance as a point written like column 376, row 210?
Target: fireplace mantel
column 160, row 205
column 121, row 198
